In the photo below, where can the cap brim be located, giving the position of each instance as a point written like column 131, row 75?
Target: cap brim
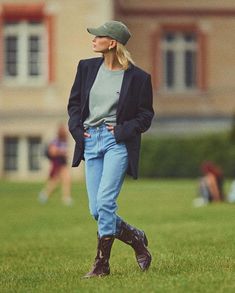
column 93, row 31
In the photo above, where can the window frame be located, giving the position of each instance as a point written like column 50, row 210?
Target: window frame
column 157, row 68
column 23, row 30
column 34, row 145
column 9, row 155
column 36, row 12
column 178, row 47
column 22, row 154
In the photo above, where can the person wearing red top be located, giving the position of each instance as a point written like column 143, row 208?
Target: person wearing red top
column 59, row 171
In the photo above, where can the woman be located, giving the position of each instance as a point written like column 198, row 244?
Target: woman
column 110, row 105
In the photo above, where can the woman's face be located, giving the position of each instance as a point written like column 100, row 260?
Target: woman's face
column 101, row 44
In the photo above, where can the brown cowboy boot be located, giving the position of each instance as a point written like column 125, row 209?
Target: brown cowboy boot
column 138, row 241
column 101, row 265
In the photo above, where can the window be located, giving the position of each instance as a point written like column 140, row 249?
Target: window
column 24, row 52
column 34, row 153
column 179, row 55
column 11, row 153
column 22, row 154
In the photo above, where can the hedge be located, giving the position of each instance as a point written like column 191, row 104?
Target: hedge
column 182, row 156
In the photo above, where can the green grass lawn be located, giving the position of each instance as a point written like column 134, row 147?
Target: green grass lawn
column 48, row 248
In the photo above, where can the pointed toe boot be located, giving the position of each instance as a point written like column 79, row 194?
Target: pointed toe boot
column 138, row 241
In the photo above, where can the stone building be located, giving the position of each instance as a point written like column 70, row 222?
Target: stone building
column 41, row 43
column 188, row 47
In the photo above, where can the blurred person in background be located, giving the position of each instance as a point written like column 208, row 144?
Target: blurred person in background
column 110, row 105
column 231, row 194
column 211, row 184
column 57, row 152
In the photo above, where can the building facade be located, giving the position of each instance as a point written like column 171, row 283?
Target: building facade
column 41, row 43
column 187, row 46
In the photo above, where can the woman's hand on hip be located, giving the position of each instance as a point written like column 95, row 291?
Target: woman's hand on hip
column 86, row 134
column 110, row 128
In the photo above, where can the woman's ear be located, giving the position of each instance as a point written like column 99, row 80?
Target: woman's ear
column 113, row 44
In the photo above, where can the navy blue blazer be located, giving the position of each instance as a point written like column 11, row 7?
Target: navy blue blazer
column 134, row 110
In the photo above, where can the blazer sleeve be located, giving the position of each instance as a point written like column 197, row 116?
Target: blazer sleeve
column 74, row 106
column 145, row 113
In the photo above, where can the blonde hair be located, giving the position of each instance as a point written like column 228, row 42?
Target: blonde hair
column 124, row 56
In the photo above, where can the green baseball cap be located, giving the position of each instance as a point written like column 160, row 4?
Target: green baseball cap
column 113, row 29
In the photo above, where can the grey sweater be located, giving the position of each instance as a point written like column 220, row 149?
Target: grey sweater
column 104, row 96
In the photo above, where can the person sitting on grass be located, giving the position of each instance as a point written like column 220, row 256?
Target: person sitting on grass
column 211, row 184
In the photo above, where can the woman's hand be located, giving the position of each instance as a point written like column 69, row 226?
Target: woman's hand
column 85, row 134
column 110, row 128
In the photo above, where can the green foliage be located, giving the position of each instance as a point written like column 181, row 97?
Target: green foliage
column 47, row 248
column 182, row 156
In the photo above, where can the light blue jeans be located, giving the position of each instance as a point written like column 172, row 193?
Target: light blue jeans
column 105, row 167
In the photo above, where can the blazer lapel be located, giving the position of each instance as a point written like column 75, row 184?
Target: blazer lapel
column 124, row 88
column 92, row 72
